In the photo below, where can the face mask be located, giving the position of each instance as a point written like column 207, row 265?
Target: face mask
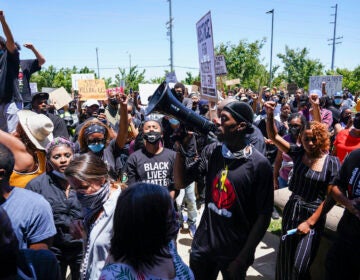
column 294, row 132
column 1, row 52
column 95, row 148
column 337, row 101
column 59, row 174
column 345, row 120
column 152, row 137
column 234, row 155
column 92, row 203
column 113, row 101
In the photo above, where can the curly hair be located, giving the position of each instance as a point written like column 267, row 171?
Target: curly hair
column 83, row 139
column 321, row 133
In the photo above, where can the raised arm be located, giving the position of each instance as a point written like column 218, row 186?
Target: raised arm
column 315, row 107
column 10, row 43
column 271, row 130
column 123, row 124
column 38, row 55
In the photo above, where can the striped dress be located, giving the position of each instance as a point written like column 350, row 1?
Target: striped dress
column 309, row 187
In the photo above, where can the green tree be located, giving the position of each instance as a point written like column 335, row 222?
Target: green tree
column 51, row 77
column 132, row 79
column 243, row 61
column 190, row 79
column 298, row 67
column 351, row 79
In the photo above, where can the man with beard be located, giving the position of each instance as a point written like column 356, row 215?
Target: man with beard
column 39, row 104
column 238, row 200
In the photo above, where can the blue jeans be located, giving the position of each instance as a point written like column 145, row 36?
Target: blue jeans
column 8, row 115
column 187, row 196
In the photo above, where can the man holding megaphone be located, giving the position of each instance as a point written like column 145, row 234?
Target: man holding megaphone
column 238, row 200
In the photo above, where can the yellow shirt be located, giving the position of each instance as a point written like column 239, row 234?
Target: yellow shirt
column 19, row 179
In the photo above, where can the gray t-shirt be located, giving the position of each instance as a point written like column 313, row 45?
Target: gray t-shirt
column 31, row 216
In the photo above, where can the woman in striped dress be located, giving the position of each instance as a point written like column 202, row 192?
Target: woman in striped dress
column 314, row 170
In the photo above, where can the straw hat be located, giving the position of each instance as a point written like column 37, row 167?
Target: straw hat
column 37, row 127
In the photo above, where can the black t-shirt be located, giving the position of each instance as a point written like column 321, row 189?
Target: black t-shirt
column 11, row 89
column 233, row 207
column 28, row 67
column 349, row 182
column 155, row 169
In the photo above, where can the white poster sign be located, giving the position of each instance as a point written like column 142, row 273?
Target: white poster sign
column 33, row 87
column 59, row 98
column 220, row 65
column 206, row 56
column 76, row 77
column 171, row 77
column 333, row 83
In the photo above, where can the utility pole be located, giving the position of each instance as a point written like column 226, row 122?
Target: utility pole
column 334, row 38
column 169, row 33
column 272, row 12
column 97, row 61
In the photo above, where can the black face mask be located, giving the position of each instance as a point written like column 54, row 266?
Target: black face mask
column 345, row 120
column 294, row 132
column 113, row 101
column 152, row 137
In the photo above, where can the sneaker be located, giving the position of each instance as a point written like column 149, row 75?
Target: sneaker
column 192, row 230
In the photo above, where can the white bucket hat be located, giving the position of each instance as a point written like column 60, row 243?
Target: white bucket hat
column 37, row 127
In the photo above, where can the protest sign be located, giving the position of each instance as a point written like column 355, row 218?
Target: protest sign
column 59, row 98
column 220, row 65
column 92, row 89
column 206, row 56
column 233, row 82
column 333, row 83
column 33, row 87
column 291, row 88
column 171, row 77
column 76, row 77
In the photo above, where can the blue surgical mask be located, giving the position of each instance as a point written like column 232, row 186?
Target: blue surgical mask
column 95, row 148
column 173, row 121
column 337, row 101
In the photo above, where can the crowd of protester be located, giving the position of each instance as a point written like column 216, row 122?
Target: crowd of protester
column 99, row 189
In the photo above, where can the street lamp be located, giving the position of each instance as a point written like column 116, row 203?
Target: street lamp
column 272, row 35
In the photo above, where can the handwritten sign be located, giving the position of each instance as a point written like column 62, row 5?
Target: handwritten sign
column 171, row 77
column 333, row 83
column 76, row 77
column 220, row 65
column 205, row 41
column 92, row 89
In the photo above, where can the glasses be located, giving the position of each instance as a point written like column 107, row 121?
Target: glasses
column 308, row 139
column 294, row 125
column 96, row 141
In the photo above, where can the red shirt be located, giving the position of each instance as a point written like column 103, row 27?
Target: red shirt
column 345, row 143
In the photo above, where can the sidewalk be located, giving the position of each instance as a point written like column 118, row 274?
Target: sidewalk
column 265, row 255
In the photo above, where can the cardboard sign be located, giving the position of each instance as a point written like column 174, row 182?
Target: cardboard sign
column 76, row 77
column 220, row 65
column 205, row 42
column 233, row 82
column 291, row 88
column 333, row 83
column 92, row 89
column 59, row 98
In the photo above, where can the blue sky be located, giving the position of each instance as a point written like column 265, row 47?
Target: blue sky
column 68, row 32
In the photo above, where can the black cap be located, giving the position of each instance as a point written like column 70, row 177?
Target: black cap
column 39, row 95
column 241, row 111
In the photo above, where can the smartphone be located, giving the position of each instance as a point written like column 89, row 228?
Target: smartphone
column 101, row 110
